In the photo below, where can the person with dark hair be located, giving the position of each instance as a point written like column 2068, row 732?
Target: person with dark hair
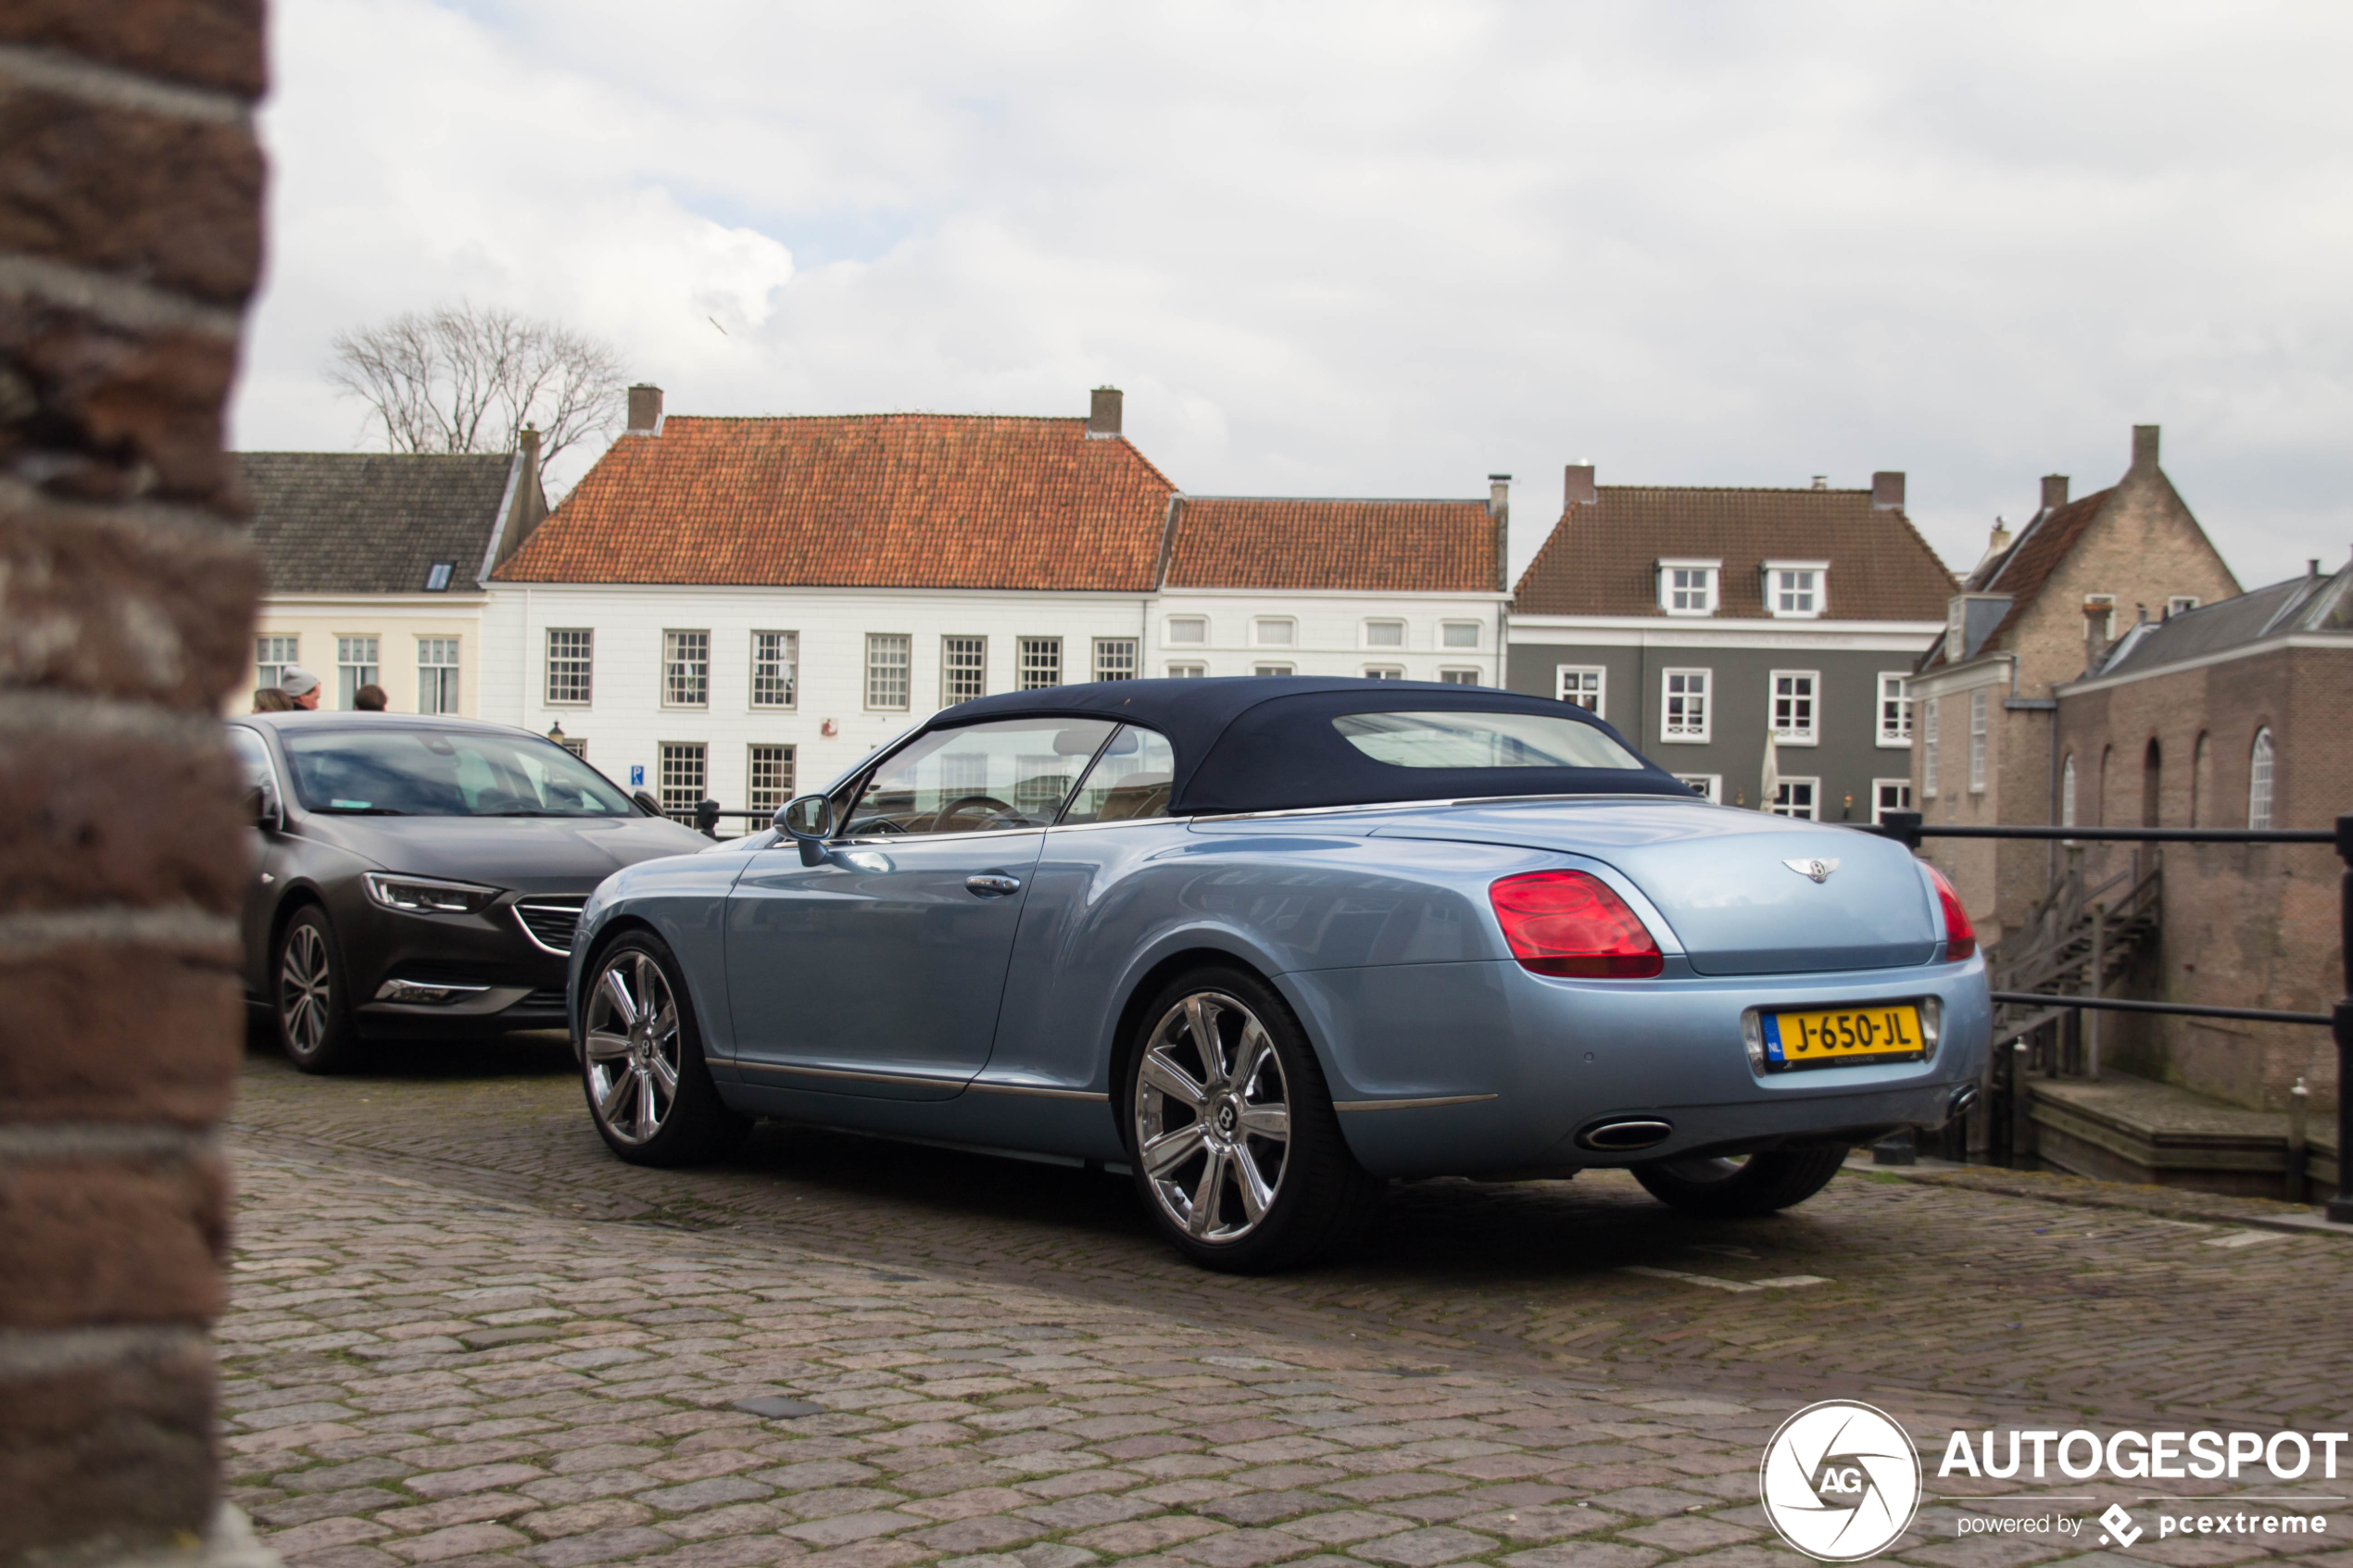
column 368, row 698
column 272, row 700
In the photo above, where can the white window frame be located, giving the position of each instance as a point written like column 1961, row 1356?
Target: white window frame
column 581, row 662
column 1789, row 788
column 1031, row 658
column 1187, row 671
column 1118, row 658
column 1712, row 786
column 1708, row 587
column 437, row 677
column 1260, row 627
column 1809, row 704
column 349, row 669
column 1706, row 697
column 2067, row 792
column 1977, row 706
column 879, row 671
column 1819, row 589
column 756, row 795
column 1568, row 685
column 1273, row 669
column 268, row 670
column 1384, row 671
column 954, row 676
column 1899, row 736
column 1448, row 635
column 1879, row 808
column 1452, row 676
column 681, row 751
column 1194, row 624
column 1386, row 623
column 1928, row 749
column 785, row 666
column 2180, row 604
column 679, row 667
column 2106, row 602
column 2262, row 779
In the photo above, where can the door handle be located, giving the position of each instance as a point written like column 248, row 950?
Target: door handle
column 991, row 885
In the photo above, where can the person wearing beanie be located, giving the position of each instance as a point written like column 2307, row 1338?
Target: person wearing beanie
column 300, row 684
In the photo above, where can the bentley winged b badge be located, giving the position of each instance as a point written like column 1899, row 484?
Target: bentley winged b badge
column 1818, row 869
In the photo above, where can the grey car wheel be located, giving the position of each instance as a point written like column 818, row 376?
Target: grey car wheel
column 641, row 1059
column 1238, row 1154
column 312, row 1009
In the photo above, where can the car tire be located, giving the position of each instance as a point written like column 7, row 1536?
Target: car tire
column 310, row 996
column 1731, row 1190
column 1267, row 1181
column 649, row 1090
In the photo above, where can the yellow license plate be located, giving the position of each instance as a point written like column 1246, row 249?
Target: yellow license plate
column 1843, row 1034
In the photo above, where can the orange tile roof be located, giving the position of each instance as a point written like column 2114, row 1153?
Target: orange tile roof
column 1359, row 546
column 1601, row 556
column 861, row 501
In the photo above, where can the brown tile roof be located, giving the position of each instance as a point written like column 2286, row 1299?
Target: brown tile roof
column 2021, row 569
column 1360, row 546
column 1601, row 557
column 865, row 501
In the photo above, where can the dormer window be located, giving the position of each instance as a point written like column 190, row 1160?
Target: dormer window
column 1687, row 587
column 1796, row 590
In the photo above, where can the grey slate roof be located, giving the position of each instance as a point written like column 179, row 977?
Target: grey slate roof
column 371, row 522
column 2300, row 604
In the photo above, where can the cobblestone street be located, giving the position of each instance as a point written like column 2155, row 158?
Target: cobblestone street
column 463, row 1332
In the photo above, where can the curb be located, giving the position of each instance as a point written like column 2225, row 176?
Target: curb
column 2084, row 1193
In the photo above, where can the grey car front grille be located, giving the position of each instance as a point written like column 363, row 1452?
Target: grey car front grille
column 550, row 921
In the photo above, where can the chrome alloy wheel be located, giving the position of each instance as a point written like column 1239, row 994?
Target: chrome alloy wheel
column 632, row 1046
column 1213, row 1117
column 306, row 983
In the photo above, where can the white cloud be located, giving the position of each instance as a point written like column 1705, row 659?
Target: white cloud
column 1381, row 248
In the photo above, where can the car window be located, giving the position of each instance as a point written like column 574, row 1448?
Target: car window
column 402, row 772
column 977, row 777
column 253, row 760
column 1129, row 783
column 1461, row 739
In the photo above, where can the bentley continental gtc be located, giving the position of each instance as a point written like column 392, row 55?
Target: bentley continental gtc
column 1265, row 943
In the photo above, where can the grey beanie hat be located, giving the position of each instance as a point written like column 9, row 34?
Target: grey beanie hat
column 295, row 679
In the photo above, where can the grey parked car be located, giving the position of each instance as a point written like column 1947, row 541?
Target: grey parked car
column 421, row 876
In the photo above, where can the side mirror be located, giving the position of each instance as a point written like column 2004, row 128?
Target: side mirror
column 808, row 820
column 651, row 802
column 261, row 805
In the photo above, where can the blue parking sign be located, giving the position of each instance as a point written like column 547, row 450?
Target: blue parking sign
column 637, row 776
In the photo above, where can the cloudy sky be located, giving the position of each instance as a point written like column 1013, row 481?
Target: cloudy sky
column 1370, row 248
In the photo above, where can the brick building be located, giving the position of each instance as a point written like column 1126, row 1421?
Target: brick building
column 1700, row 620
column 2037, row 611
column 2239, row 714
column 739, row 608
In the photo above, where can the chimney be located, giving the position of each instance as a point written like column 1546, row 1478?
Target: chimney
column 1499, row 495
column 1887, row 490
column 2144, row 446
column 1996, row 542
column 2054, row 492
column 532, row 502
column 2095, row 619
column 1103, row 411
column 1499, row 510
column 1579, row 490
column 644, row 409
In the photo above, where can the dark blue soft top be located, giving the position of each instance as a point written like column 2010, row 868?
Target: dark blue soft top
column 1266, row 743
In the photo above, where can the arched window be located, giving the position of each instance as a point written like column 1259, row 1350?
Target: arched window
column 2100, row 801
column 2202, row 782
column 2152, row 796
column 2067, row 793
column 2258, row 781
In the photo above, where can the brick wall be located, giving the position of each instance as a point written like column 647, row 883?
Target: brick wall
column 130, row 239
column 2245, row 925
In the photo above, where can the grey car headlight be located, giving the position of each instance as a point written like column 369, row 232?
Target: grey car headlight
column 428, row 896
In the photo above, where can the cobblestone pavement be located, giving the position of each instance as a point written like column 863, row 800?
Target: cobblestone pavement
column 463, row 1334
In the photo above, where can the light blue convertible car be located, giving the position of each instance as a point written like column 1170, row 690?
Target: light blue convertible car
column 1265, row 942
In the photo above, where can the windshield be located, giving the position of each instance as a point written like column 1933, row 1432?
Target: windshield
column 1481, row 740
column 399, row 772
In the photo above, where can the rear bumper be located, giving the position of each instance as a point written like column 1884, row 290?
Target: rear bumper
column 1456, row 1069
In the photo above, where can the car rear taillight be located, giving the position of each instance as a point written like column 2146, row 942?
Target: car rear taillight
column 1569, row 923
column 1960, row 937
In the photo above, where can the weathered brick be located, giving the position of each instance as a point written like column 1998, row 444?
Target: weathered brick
column 118, row 1446
column 86, row 830
column 202, row 43
column 164, row 1049
column 89, row 1240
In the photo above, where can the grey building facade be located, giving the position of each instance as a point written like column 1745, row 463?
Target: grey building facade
column 1701, row 620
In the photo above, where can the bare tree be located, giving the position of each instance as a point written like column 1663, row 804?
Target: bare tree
column 469, row 379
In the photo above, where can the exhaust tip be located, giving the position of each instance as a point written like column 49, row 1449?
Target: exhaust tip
column 1963, row 1099
column 1623, row 1134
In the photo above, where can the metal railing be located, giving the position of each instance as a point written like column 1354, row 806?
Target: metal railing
column 1908, row 829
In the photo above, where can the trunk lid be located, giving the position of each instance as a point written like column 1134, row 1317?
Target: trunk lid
column 1724, row 878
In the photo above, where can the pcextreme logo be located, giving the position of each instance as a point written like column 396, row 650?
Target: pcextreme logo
column 1839, row 1481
